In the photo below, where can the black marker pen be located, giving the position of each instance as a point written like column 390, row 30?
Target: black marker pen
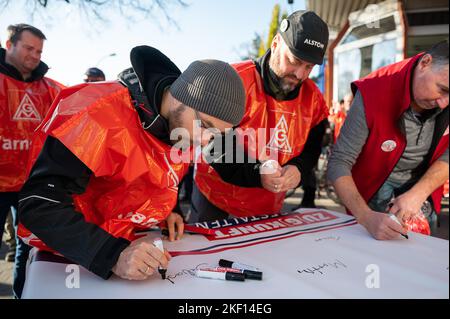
column 248, row 274
column 233, row 264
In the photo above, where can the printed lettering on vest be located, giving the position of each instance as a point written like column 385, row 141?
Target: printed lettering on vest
column 279, row 140
column 139, row 219
column 14, row 145
column 27, row 111
column 173, row 179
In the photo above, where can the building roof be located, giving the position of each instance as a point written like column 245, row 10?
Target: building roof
column 335, row 12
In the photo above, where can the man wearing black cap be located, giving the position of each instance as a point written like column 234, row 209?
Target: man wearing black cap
column 289, row 106
column 107, row 167
column 94, row 75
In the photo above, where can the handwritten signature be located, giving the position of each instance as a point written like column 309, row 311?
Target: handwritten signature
column 329, row 238
column 321, row 268
column 183, row 272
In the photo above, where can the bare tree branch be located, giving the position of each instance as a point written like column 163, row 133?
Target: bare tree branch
column 4, row 4
column 94, row 11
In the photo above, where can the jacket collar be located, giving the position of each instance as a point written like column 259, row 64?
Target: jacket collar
column 11, row 71
column 271, row 81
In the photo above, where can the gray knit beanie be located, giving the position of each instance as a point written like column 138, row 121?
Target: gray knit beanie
column 212, row 87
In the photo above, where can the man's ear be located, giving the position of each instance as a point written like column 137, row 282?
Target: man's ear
column 275, row 43
column 426, row 60
column 8, row 44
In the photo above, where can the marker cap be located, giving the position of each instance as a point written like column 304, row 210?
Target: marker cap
column 235, row 276
column 225, row 263
column 255, row 275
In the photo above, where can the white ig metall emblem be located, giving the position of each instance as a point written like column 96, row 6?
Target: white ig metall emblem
column 388, row 146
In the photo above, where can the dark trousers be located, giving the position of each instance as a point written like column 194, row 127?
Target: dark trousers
column 309, row 189
column 8, row 201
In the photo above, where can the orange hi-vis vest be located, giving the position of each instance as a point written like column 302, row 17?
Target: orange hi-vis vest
column 286, row 125
column 134, row 183
column 23, row 105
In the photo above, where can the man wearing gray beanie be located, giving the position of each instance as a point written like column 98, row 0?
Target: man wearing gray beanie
column 104, row 166
column 212, row 87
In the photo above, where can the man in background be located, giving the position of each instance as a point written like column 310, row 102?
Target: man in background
column 25, row 97
column 94, row 75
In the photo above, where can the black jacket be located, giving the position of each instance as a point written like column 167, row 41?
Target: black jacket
column 11, row 71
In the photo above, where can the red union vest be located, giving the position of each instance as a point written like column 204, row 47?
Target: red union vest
column 23, row 105
column 134, row 183
column 290, row 122
column 386, row 96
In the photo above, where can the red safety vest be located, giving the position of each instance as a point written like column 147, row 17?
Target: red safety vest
column 23, row 105
column 290, row 122
column 386, row 95
column 134, row 183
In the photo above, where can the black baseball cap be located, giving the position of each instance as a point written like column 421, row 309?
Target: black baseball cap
column 94, row 72
column 306, row 35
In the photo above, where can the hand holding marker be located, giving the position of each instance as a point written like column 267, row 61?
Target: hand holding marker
column 395, row 219
column 159, row 244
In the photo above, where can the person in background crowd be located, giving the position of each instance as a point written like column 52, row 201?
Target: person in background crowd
column 94, row 75
column 25, row 97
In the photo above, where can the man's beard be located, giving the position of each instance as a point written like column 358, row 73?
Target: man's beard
column 284, row 82
column 175, row 122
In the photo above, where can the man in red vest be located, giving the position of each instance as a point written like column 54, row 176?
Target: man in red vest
column 392, row 153
column 291, row 112
column 112, row 160
column 25, row 97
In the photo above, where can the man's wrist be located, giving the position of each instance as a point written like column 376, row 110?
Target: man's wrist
column 362, row 216
column 418, row 193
